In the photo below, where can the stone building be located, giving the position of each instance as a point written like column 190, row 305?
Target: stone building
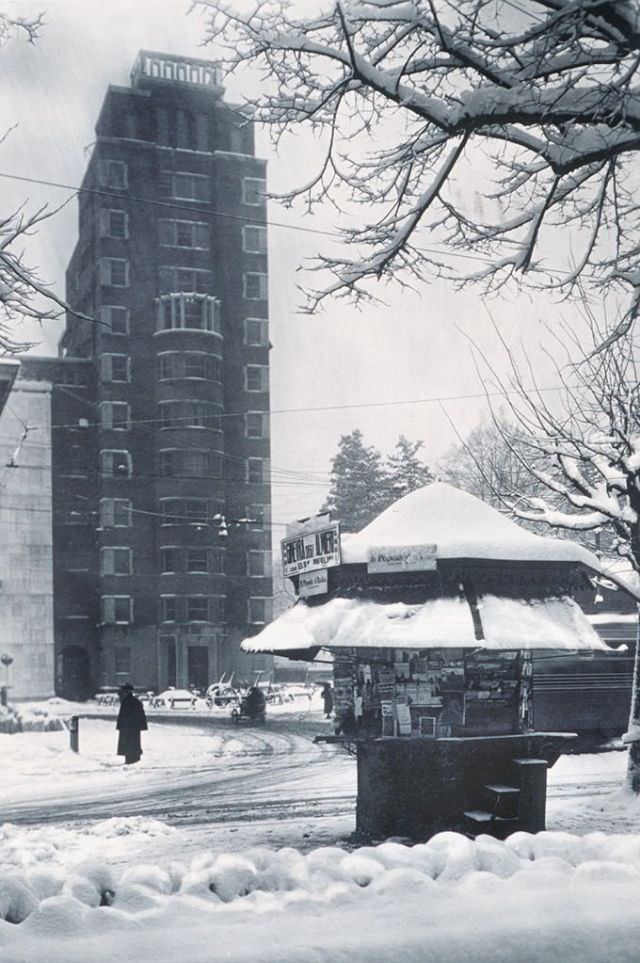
column 26, row 577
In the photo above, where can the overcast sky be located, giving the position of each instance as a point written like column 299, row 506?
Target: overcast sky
column 367, row 363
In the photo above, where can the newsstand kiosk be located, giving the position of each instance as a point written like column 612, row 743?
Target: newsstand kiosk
column 431, row 614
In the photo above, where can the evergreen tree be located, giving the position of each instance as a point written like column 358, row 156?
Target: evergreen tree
column 405, row 469
column 363, row 484
column 358, row 488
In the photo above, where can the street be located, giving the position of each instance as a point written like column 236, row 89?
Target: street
column 274, row 771
column 243, row 774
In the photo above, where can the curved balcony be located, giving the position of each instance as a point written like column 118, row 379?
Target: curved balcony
column 188, row 311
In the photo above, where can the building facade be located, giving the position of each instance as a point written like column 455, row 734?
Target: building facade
column 26, row 511
column 162, row 545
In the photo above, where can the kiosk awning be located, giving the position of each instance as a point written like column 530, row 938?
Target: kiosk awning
column 492, row 623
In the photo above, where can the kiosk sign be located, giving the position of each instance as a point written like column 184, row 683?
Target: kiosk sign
column 313, row 583
column 402, row 558
column 311, row 550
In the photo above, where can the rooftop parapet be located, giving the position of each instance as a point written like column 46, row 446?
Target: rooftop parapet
column 171, row 68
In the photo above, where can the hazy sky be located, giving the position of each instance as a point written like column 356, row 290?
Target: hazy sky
column 375, row 358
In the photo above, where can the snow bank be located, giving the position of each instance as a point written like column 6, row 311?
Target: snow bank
column 533, row 897
column 26, row 719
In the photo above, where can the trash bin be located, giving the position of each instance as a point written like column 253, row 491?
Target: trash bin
column 74, row 733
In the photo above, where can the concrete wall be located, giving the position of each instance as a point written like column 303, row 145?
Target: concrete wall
column 26, row 571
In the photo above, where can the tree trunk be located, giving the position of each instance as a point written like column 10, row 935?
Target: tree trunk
column 633, row 761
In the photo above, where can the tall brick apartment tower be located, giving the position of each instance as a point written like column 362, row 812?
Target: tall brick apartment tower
column 170, row 482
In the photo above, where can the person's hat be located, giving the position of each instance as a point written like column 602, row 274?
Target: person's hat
column 126, row 687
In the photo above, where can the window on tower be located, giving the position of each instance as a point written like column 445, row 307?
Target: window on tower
column 189, row 364
column 117, row 609
column 204, row 608
column 254, row 239
column 189, row 463
column 115, row 561
column 114, row 272
column 115, row 318
column 198, row 560
column 257, row 471
column 257, row 424
column 255, row 286
column 114, row 415
column 256, row 332
column 254, row 191
column 113, row 223
column 197, row 608
column 256, row 377
column 112, row 173
column 180, row 279
column 115, row 463
column 115, row 512
column 190, row 234
column 122, row 659
column 184, row 511
column 115, row 367
column 258, row 517
column 259, row 610
column 168, row 559
column 168, row 608
column 177, row 127
column 258, row 563
column 185, row 186
column 189, row 414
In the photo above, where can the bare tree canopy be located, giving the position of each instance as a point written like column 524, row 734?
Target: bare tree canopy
column 22, row 293
column 580, row 446
column 424, row 106
column 490, row 463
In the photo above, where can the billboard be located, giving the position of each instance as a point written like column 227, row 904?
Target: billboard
column 309, row 550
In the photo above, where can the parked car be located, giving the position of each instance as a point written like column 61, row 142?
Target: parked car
column 223, row 694
column 276, row 694
column 295, row 690
column 174, row 699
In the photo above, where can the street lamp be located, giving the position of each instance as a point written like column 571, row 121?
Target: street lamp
column 6, row 660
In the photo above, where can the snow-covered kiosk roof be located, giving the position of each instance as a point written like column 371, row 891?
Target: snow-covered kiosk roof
column 466, row 576
column 460, row 526
column 554, row 623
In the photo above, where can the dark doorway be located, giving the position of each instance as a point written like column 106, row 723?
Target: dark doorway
column 73, row 673
column 171, row 662
column 198, row 664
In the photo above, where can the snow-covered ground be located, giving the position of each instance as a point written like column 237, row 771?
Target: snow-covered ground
column 138, row 888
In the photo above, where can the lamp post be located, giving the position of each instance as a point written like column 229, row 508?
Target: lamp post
column 6, row 660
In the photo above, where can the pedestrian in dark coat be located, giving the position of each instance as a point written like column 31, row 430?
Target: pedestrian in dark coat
column 327, row 699
column 131, row 722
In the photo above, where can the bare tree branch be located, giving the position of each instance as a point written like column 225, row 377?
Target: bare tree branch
column 543, row 96
column 22, row 292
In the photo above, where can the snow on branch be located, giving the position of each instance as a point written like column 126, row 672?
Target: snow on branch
column 544, row 96
column 22, row 293
column 581, row 449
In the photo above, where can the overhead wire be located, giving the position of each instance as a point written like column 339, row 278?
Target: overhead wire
column 310, row 409
column 191, row 206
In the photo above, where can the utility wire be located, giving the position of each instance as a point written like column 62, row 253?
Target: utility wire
column 193, row 209
column 434, row 399
column 186, row 205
